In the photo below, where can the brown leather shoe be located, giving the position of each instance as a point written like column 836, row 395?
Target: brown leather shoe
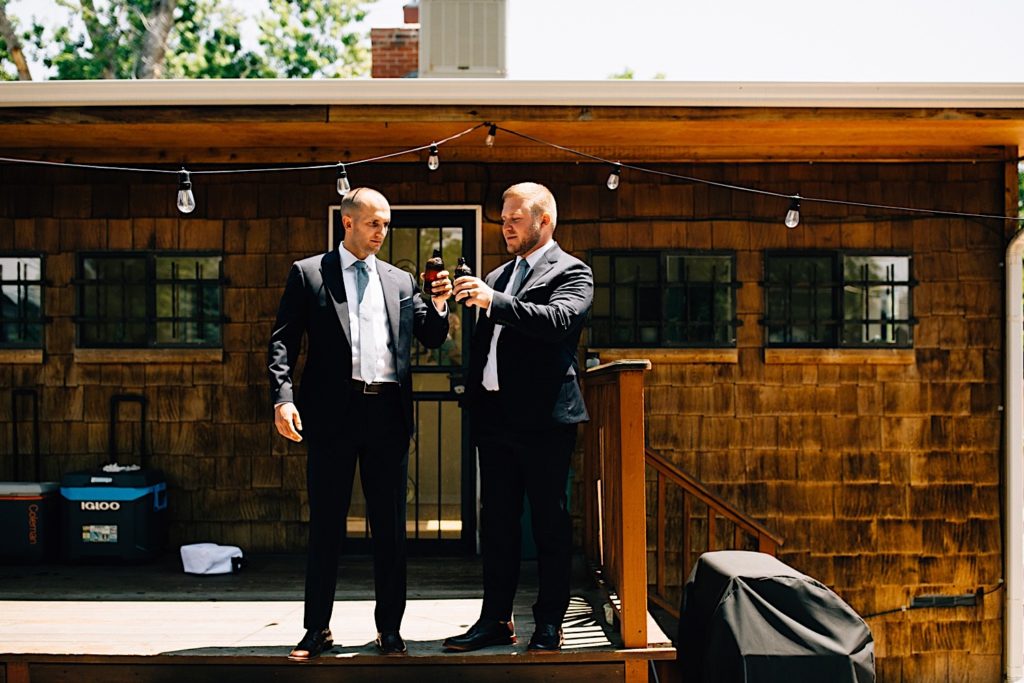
column 316, row 641
column 484, row 633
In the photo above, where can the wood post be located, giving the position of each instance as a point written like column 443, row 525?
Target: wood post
column 615, row 530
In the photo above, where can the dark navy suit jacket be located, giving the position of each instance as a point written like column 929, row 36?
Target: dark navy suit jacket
column 537, row 365
column 314, row 304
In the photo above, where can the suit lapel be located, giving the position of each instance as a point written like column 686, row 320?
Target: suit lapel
column 501, row 282
column 543, row 265
column 330, row 270
column 391, row 297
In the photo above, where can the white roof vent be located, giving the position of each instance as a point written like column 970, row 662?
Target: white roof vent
column 462, row 38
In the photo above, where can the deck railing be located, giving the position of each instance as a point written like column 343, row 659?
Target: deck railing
column 626, row 486
column 701, row 519
column 615, row 520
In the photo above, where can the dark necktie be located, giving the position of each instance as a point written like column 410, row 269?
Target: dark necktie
column 521, row 270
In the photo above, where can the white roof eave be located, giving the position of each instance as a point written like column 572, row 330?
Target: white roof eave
column 499, row 92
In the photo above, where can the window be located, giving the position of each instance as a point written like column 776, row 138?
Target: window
column 148, row 300
column 21, row 302
column 833, row 299
column 663, row 299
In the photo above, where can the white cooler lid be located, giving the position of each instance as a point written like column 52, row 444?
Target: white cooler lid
column 27, row 488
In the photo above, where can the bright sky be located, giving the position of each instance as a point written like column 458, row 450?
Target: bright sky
column 740, row 40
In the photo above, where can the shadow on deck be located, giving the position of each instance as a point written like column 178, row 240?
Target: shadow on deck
column 154, row 623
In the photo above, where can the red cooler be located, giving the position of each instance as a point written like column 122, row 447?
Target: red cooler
column 28, row 521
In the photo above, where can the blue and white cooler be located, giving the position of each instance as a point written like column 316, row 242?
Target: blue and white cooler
column 118, row 515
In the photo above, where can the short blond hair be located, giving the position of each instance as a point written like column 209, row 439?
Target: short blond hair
column 538, row 200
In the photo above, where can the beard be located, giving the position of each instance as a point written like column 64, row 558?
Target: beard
column 528, row 242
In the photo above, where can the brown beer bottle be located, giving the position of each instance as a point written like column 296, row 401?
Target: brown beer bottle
column 462, row 269
column 434, row 266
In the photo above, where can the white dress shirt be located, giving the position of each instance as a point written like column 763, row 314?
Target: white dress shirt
column 370, row 312
column 490, row 379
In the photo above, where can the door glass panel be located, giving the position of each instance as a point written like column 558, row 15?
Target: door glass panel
column 434, row 495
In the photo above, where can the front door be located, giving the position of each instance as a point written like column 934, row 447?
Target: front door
column 441, row 494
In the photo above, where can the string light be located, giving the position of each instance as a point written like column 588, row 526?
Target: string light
column 613, row 177
column 344, row 186
column 793, row 215
column 186, row 200
column 491, row 132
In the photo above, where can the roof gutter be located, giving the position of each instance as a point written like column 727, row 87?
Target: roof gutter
column 489, row 92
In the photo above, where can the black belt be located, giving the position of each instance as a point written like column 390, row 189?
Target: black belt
column 373, row 388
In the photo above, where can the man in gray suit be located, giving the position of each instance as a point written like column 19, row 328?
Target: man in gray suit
column 358, row 315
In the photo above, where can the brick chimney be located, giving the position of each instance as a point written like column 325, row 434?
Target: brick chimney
column 395, row 52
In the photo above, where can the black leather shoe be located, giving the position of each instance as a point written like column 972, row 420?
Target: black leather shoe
column 547, row 637
column 391, row 643
column 316, row 641
column 484, row 633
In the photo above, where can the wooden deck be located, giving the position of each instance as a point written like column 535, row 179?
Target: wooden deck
column 154, row 623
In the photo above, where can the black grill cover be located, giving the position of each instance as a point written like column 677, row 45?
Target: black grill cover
column 748, row 618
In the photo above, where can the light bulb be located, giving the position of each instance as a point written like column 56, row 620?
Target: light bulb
column 491, row 132
column 793, row 215
column 186, row 200
column 343, row 184
column 613, row 177
column 433, row 161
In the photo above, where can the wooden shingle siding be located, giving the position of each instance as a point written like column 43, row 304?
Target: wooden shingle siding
column 881, row 474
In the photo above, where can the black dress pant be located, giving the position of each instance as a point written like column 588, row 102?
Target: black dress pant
column 373, row 433
column 515, row 459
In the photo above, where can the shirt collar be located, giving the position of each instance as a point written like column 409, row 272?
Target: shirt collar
column 348, row 259
column 536, row 256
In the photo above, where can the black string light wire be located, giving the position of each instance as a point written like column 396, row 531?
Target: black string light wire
column 186, row 200
column 754, row 190
column 433, row 163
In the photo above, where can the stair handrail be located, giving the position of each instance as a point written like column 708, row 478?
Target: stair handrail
column 766, row 540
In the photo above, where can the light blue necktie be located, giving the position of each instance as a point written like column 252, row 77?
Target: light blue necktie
column 362, row 279
column 521, row 270
column 367, row 340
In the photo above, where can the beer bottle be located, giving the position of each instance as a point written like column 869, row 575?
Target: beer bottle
column 462, row 269
column 434, row 266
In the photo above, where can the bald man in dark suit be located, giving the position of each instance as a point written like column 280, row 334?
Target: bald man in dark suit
column 358, row 315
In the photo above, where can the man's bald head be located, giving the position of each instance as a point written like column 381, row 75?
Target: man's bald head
column 362, row 198
column 366, row 216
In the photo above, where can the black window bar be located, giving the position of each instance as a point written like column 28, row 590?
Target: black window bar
column 21, row 320
column 132, row 330
column 675, row 327
column 821, row 328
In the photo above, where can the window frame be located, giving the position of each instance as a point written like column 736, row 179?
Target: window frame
column 662, row 259
column 837, row 284
column 42, row 284
column 151, row 284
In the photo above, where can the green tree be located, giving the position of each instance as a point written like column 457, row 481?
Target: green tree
column 1020, row 189
column 628, row 74
column 12, row 48
column 207, row 43
column 304, row 38
column 194, row 39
